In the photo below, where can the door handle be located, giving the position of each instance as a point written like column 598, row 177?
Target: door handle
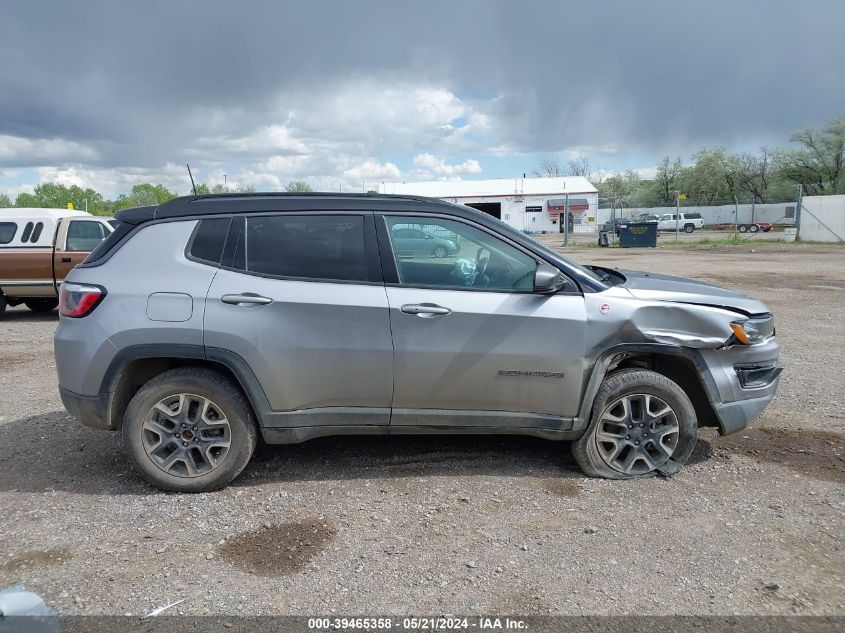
column 246, row 298
column 424, row 310
column 65, row 260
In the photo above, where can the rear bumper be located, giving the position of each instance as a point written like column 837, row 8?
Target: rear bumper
column 89, row 410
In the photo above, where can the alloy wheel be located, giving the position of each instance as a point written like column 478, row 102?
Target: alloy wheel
column 186, row 435
column 637, row 434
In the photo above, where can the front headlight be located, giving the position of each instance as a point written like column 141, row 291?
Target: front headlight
column 754, row 330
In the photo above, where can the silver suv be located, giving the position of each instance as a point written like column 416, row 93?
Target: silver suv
column 204, row 322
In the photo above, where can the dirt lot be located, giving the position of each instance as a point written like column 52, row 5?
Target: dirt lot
column 452, row 525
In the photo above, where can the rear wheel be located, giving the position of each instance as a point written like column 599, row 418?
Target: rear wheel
column 189, row 430
column 689, row 228
column 641, row 423
column 753, row 228
column 41, row 305
column 2, row 304
column 743, row 228
column 439, row 252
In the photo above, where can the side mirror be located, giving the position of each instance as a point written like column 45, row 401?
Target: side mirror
column 548, row 279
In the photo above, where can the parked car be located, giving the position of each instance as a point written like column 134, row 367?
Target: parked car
column 648, row 217
column 235, row 326
column 37, row 249
column 413, row 242
column 614, row 225
column 688, row 223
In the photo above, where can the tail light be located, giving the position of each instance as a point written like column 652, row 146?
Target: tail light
column 79, row 300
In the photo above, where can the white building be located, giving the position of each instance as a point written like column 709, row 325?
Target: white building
column 533, row 205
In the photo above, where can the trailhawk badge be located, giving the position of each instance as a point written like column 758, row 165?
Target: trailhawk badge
column 604, row 308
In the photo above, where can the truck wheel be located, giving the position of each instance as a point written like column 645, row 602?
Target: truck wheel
column 2, row 304
column 41, row 305
column 753, row 228
column 743, row 228
column 641, row 423
column 689, row 228
column 189, row 430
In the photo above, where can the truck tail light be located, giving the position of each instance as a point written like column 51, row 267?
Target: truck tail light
column 79, row 300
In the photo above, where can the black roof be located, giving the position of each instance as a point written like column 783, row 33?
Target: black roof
column 228, row 203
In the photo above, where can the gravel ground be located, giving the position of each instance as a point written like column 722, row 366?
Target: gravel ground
column 753, row 525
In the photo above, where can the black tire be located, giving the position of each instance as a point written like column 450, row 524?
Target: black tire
column 2, row 304
column 41, row 305
column 753, row 228
column 440, row 252
column 633, row 382
column 743, row 228
column 689, row 228
column 224, row 395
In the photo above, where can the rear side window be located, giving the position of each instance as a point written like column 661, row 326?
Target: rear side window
column 209, row 239
column 84, row 235
column 7, row 232
column 692, row 216
column 36, row 232
column 310, row 247
column 27, row 231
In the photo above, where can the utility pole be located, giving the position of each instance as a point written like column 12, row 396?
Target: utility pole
column 736, row 217
column 566, row 220
column 225, row 186
column 799, row 195
column 677, row 216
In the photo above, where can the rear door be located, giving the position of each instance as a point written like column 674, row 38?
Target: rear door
column 469, row 334
column 300, row 299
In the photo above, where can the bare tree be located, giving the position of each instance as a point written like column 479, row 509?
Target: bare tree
column 579, row 167
column 820, row 163
column 549, row 168
column 755, row 172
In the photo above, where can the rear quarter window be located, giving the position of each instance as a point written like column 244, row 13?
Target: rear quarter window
column 208, row 240
column 7, row 232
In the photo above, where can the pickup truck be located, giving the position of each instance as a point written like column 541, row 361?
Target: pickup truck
column 38, row 247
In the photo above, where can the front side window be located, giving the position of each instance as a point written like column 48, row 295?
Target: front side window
column 325, row 247
column 84, row 235
column 451, row 254
column 7, row 232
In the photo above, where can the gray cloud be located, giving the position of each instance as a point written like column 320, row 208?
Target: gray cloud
column 146, row 83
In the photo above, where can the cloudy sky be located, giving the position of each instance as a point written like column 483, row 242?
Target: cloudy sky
column 347, row 94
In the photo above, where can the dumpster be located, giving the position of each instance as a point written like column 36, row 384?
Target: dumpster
column 638, row 234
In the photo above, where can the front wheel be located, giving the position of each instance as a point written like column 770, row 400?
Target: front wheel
column 41, row 305
column 439, row 252
column 189, row 430
column 641, row 423
column 754, row 228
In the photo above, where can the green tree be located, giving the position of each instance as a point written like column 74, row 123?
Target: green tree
column 667, row 179
column 143, row 195
column 5, row 201
column 819, row 162
column 53, row 195
column 298, row 186
column 713, row 179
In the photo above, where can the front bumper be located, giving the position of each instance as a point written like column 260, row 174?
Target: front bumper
column 89, row 410
column 736, row 404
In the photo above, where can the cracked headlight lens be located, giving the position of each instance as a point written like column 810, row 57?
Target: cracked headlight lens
column 754, row 330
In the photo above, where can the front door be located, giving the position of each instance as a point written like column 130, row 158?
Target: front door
column 297, row 301
column 473, row 345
